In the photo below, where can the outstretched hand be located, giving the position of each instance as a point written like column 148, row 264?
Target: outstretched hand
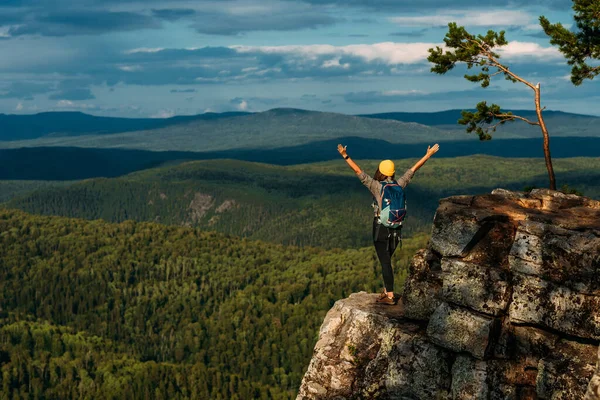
column 431, row 150
column 342, row 150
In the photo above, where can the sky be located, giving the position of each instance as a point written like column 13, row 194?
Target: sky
column 160, row 58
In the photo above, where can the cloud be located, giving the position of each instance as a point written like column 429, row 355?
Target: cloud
column 173, row 14
column 243, row 106
column 411, row 34
column 253, row 103
column 399, row 96
column 368, row 97
column 234, row 24
column 185, row 68
column 19, row 107
column 363, row 21
column 537, row 35
column 516, row 50
column 226, row 17
column 73, row 89
column 183, row 90
column 81, row 22
column 253, row 64
column 62, row 104
column 130, row 68
column 502, row 18
column 24, row 90
column 384, row 5
column 386, row 52
column 9, row 17
column 163, row 114
column 73, row 94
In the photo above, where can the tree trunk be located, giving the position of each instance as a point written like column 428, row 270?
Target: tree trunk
column 538, row 111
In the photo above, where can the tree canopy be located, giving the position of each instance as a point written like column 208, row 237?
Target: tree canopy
column 480, row 51
column 93, row 310
column 581, row 46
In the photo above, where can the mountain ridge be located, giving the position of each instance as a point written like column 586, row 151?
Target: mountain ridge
column 75, row 123
column 270, row 129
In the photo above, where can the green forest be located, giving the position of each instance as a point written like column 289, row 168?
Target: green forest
column 206, row 279
column 318, row 204
column 91, row 309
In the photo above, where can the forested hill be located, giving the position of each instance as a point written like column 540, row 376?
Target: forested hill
column 258, row 201
column 321, row 204
column 69, row 163
column 450, row 117
column 90, row 309
column 23, row 127
column 270, row 129
column 265, row 130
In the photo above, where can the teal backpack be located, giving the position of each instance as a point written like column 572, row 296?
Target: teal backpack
column 393, row 205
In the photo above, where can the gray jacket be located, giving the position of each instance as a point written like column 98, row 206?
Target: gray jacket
column 375, row 186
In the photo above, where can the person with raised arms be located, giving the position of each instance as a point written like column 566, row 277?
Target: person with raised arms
column 389, row 204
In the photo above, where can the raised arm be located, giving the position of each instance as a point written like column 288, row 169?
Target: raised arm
column 352, row 164
column 431, row 150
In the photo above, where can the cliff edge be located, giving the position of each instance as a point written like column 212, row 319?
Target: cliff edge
column 504, row 303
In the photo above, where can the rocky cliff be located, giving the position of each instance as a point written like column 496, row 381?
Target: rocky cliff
column 503, row 304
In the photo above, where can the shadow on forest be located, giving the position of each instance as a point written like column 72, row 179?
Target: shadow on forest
column 69, row 163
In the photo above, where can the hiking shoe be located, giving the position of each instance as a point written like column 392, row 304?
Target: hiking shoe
column 388, row 301
column 382, row 296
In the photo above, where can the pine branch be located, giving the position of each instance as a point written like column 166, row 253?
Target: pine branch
column 504, row 69
column 511, row 117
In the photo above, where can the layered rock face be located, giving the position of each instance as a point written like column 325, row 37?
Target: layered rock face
column 503, row 304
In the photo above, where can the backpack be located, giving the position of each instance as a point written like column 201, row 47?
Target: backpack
column 393, row 205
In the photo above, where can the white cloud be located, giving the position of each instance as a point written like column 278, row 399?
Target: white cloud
column 19, row 107
column 469, row 18
column 243, row 106
column 335, row 63
column 387, row 52
column 516, row 49
column 402, row 92
column 145, row 50
column 73, row 105
column 130, row 68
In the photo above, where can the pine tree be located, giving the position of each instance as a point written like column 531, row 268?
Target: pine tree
column 479, row 51
column 582, row 46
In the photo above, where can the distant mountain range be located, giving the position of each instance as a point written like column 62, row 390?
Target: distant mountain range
column 24, row 127
column 450, row 117
column 265, row 130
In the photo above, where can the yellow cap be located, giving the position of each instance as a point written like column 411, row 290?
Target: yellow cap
column 387, row 168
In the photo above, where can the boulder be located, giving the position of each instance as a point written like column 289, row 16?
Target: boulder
column 423, row 286
column 540, row 302
column 459, row 330
column 474, row 286
column 368, row 351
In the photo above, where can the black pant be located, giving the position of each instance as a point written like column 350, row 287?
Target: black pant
column 386, row 240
